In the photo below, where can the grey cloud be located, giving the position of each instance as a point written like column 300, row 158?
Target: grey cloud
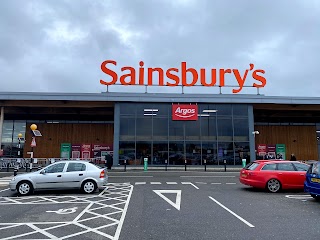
column 278, row 36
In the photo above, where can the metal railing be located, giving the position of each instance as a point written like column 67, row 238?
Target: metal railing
column 27, row 163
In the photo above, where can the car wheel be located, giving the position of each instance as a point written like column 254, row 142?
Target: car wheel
column 89, row 186
column 273, row 185
column 24, row 188
column 316, row 197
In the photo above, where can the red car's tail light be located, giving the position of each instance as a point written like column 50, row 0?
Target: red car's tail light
column 102, row 174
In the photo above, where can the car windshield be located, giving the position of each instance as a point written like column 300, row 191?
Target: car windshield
column 314, row 168
column 251, row 166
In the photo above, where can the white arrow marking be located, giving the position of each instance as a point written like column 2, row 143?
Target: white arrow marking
column 178, row 197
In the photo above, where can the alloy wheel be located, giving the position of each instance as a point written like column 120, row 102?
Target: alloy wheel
column 89, row 187
column 273, row 185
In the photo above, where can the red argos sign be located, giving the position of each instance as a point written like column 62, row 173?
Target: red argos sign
column 185, row 112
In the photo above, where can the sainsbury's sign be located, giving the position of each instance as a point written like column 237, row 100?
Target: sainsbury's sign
column 185, row 112
column 186, row 76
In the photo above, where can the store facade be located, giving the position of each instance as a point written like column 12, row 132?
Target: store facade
column 220, row 132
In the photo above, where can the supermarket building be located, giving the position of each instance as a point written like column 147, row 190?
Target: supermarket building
column 167, row 128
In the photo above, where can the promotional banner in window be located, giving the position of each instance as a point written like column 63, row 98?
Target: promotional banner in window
column 281, row 151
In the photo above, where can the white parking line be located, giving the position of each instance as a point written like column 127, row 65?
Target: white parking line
column 5, row 190
column 201, row 182
column 140, row 183
column 171, row 183
column 190, row 184
column 230, row 183
column 237, row 216
column 216, row 183
column 206, row 176
column 155, row 183
column 117, row 234
column 130, row 176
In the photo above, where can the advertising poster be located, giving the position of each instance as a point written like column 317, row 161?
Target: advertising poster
column 75, row 150
column 271, row 151
column 98, row 149
column 262, row 149
column 65, row 150
column 281, row 151
column 85, row 150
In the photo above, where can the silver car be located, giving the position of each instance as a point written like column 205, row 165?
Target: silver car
column 77, row 174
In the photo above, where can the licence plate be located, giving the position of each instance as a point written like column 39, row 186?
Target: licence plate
column 317, row 180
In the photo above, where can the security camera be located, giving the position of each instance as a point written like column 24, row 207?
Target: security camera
column 255, row 132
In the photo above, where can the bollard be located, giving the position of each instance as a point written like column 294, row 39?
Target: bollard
column 185, row 165
column 125, row 165
column 26, row 166
column 39, row 168
column 225, row 165
column 145, row 164
column 166, row 162
column 205, row 165
column 8, row 167
column 15, row 171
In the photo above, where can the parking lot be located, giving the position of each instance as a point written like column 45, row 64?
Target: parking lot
column 161, row 205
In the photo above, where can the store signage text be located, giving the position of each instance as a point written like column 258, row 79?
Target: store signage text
column 176, row 77
column 185, row 112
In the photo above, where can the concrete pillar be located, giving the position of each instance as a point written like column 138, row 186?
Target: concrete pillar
column 1, row 123
column 251, row 136
column 116, row 134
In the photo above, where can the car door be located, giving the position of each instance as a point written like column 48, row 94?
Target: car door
column 74, row 175
column 51, row 177
column 286, row 174
column 301, row 173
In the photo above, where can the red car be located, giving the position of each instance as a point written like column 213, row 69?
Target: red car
column 274, row 175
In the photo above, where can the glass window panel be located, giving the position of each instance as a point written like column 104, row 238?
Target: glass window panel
column 285, row 167
column 224, row 109
column 225, row 152
column 193, row 153
column 127, row 128
column 127, row 108
column 209, row 152
column 241, row 151
column 164, row 110
column 7, row 131
column 241, row 129
column 144, row 128
column 160, row 152
column 7, row 149
column 269, row 167
column 19, row 127
column 192, row 130
column 176, row 153
column 240, row 109
column 225, row 130
column 208, row 128
column 143, row 151
column 127, row 151
column 160, row 128
column 176, row 131
column 145, row 108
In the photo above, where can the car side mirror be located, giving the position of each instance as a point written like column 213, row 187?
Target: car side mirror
column 43, row 171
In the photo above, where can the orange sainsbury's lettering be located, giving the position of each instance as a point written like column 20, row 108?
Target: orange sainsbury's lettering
column 185, row 76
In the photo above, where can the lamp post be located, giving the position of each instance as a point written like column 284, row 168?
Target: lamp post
column 33, row 127
column 19, row 146
column 254, row 138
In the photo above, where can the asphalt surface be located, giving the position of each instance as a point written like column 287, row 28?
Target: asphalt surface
column 161, row 205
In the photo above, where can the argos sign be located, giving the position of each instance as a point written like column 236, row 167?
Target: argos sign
column 185, row 112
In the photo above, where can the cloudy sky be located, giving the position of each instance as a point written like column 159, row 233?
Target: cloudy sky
column 59, row 45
